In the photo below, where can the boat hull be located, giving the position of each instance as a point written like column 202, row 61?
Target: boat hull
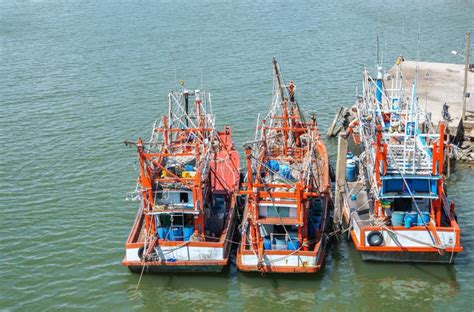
column 185, row 267
column 406, row 257
column 305, row 262
column 403, row 254
column 288, row 261
column 184, row 256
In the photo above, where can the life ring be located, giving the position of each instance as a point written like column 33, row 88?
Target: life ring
column 375, row 238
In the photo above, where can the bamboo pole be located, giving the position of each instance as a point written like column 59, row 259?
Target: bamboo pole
column 330, row 132
column 340, row 176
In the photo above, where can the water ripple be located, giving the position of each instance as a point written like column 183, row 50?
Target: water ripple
column 79, row 77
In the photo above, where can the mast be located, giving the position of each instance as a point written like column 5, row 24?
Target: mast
column 466, row 69
column 278, row 77
column 186, row 105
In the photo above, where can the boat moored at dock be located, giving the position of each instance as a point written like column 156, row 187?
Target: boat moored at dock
column 287, row 190
column 392, row 194
column 188, row 183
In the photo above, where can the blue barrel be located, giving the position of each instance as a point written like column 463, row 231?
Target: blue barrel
column 285, row 172
column 293, row 244
column 267, row 243
column 176, row 233
column 163, row 232
column 273, row 165
column 355, row 163
column 189, row 168
column 398, row 218
column 188, row 231
column 280, row 244
column 351, row 172
column 410, row 219
column 413, row 216
column 423, row 219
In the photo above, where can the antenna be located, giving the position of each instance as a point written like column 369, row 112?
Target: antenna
column 418, row 48
column 200, row 56
column 383, row 54
column 174, row 65
column 403, row 35
column 377, row 48
column 418, row 44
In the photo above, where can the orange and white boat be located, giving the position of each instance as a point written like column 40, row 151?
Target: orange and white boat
column 287, row 190
column 188, row 182
column 396, row 203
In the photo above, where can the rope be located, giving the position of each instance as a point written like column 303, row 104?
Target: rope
column 414, row 201
column 227, row 240
column 268, row 168
column 273, row 200
column 292, row 253
column 452, row 248
column 339, row 231
column 143, row 264
column 140, row 278
column 175, row 248
column 287, row 256
column 379, row 223
column 250, row 243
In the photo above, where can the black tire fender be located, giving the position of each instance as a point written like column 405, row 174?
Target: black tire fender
column 375, row 238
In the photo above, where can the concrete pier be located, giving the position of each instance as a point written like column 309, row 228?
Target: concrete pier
column 440, row 83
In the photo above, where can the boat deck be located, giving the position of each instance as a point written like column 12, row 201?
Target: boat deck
column 361, row 204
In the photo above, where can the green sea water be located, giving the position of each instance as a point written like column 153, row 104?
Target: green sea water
column 77, row 78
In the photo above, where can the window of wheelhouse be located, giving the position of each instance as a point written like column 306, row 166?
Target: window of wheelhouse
column 174, row 197
column 270, row 210
column 183, row 197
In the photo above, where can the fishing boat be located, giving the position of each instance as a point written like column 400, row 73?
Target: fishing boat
column 287, row 190
column 393, row 194
column 188, row 182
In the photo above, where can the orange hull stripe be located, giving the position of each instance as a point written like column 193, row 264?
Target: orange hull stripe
column 276, row 269
column 398, row 249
